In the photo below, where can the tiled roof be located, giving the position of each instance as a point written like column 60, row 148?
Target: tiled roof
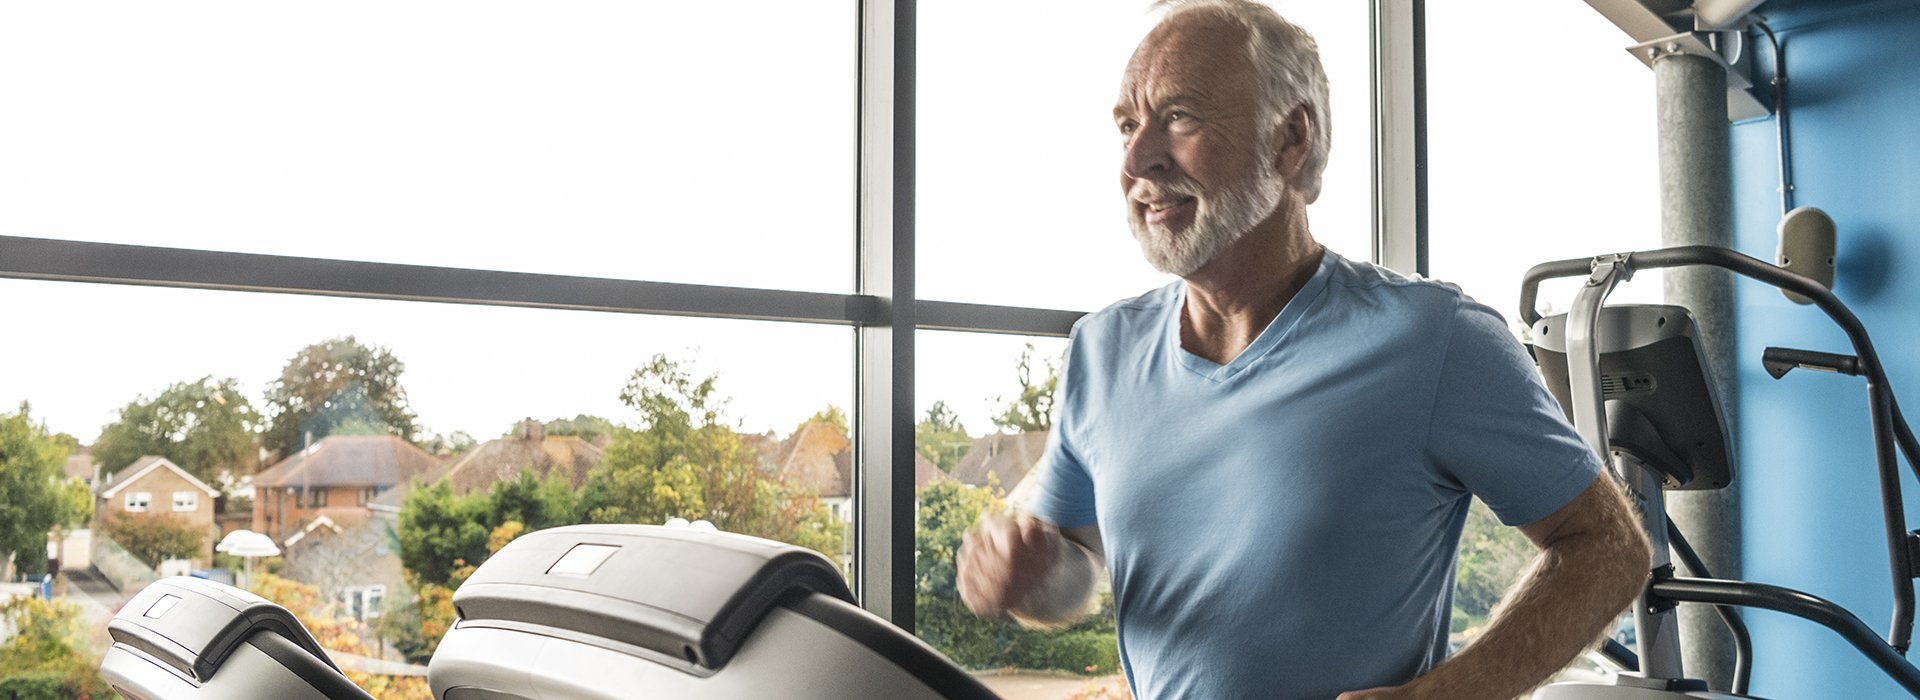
column 381, row 461
column 1008, row 457
column 820, row 457
column 503, row 459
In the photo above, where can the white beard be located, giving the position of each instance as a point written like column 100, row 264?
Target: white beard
column 1219, row 219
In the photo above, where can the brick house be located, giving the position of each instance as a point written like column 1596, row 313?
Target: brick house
column 338, row 476
column 155, row 485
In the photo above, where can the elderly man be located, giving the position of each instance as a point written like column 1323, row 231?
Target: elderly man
column 1274, row 456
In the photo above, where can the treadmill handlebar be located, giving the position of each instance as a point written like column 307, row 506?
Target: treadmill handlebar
column 692, row 597
column 193, row 625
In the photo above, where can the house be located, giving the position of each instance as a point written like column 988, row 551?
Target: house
column 1003, row 460
column 819, row 457
column 353, row 558
column 82, row 467
column 155, row 485
column 339, row 474
column 529, row 449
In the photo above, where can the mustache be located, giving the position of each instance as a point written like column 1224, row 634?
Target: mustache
column 1179, row 185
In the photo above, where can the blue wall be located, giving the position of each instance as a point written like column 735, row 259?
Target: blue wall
column 1811, row 512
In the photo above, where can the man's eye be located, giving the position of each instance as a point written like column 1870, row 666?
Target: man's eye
column 1128, row 127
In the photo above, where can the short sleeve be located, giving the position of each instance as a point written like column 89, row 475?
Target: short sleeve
column 1496, row 431
column 1064, row 493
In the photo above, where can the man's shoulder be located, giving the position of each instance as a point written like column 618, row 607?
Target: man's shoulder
column 1390, row 289
column 1129, row 316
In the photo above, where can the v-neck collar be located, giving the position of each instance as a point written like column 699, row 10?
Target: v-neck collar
column 1269, row 337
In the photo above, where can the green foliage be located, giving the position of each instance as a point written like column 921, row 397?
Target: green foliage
column 337, row 387
column 1090, row 653
column 831, row 415
column 154, row 537
column 948, row 510
column 33, row 498
column 592, row 429
column 1032, row 409
column 400, row 627
column 46, row 655
column 438, row 530
column 1492, row 556
column 686, row 461
column 453, row 443
column 940, row 437
column 205, row 427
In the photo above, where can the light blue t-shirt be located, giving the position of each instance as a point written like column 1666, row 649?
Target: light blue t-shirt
column 1286, row 525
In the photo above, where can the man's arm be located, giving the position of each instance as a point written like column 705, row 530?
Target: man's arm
column 1027, row 569
column 1593, row 559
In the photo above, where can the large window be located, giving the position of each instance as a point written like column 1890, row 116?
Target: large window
column 685, row 142
column 1564, row 167
column 1019, row 200
column 669, row 162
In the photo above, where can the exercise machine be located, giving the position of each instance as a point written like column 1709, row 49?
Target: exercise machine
column 1632, row 379
column 586, row 611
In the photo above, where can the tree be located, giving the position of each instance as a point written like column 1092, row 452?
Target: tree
column 592, row 429
column 1492, row 556
column 686, row 461
column 337, row 634
column 1032, row 409
column 154, row 537
column 206, row 426
column 33, row 498
column 46, row 650
column 831, row 415
column 940, row 437
column 337, row 387
column 440, row 531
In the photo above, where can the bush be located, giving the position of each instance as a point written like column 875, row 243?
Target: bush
column 154, row 537
column 1087, row 653
column 35, row 686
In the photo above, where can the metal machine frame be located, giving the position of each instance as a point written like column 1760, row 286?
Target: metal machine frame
column 1658, row 658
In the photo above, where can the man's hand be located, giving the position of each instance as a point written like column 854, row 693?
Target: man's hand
column 1004, row 561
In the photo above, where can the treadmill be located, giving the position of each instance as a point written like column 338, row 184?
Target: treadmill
column 587, row 611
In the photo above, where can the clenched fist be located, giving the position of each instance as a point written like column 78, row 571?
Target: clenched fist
column 1005, row 562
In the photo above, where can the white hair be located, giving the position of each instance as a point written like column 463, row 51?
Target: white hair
column 1286, row 63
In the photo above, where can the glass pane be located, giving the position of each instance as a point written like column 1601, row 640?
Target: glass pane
column 985, row 408
column 1531, row 161
column 1018, row 200
column 1564, row 168
column 349, row 430
column 605, row 139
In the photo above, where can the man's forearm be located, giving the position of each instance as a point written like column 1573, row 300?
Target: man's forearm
column 1572, row 591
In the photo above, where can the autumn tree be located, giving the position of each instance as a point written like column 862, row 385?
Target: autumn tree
column 685, row 460
column 1032, row 408
column 34, row 494
column 204, row 426
column 593, row 429
column 154, row 537
column 45, row 653
column 337, row 387
column 940, row 437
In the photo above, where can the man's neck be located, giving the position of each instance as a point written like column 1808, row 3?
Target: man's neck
column 1233, row 297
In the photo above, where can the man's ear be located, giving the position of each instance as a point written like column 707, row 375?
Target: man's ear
column 1292, row 141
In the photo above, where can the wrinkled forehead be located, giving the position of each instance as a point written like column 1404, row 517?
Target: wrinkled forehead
column 1193, row 53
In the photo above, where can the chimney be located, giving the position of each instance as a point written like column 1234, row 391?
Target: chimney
column 534, row 430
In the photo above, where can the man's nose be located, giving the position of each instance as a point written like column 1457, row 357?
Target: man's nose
column 1147, row 153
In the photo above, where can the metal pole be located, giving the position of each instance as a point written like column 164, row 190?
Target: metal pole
column 1696, row 209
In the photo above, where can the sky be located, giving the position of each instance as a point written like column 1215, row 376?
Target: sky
column 707, row 143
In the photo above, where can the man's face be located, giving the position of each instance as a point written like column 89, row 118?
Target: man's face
column 1199, row 169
